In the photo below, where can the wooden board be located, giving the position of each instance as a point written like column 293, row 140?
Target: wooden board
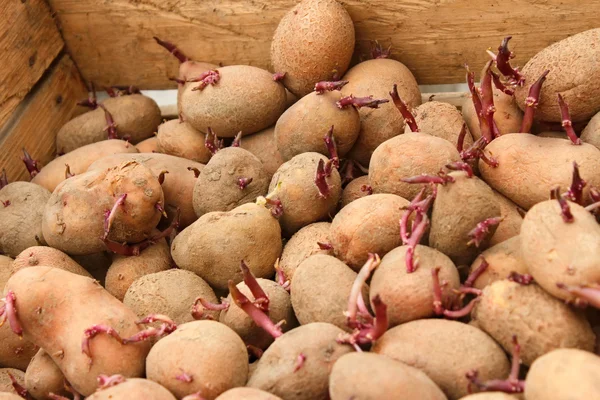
column 29, row 43
column 36, row 121
column 111, row 40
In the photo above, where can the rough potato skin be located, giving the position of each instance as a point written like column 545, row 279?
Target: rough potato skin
column 5, row 382
column 313, row 40
column 320, row 290
column 295, row 187
column 213, row 246
column 56, row 319
column 302, row 245
column 442, row 120
column 43, row 377
column 247, row 393
column 280, row 308
column 410, row 296
column 503, row 259
column 135, row 388
column 369, row 376
column 169, row 293
column 490, row 396
column 591, row 132
column 302, row 127
column 560, row 252
column 136, row 116
column 376, row 78
column 367, row 225
column 353, row 191
column 445, row 350
column 574, row 73
column 212, row 353
column 245, row 99
column 405, row 156
column 48, row 257
column 518, row 168
column 180, row 139
column 511, row 223
column 73, row 219
column 457, row 209
column 275, row 370
column 21, row 213
column 217, row 187
column 564, row 374
column 541, row 322
column 6, row 265
column 508, row 116
column 79, row 161
column 149, row 145
column 262, row 144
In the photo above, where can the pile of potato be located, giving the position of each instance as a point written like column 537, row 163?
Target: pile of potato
column 314, row 232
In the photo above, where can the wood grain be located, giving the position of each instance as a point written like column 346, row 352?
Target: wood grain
column 36, row 121
column 29, row 43
column 111, row 40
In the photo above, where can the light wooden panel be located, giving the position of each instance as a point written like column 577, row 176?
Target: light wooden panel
column 111, row 40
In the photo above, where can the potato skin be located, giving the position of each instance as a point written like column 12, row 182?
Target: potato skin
column 43, row 377
column 560, row 252
column 135, row 388
column 490, row 396
column 213, row 246
column 367, row 225
column 245, row 99
column 48, row 257
column 275, row 369
column 313, row 40
column 445, row 350
column 353, row 191
column 149, row 145
column 410, row 296
column 213, row 354
column 302, row 245
column 503, row 259
column 180, row 139
column 369, row 376
column 405, row 156
column 262, row 144
column 442, row 120
column 573, row 73
column 564, row 374
column 508, row 150
column 511, row 223
column 591, row 132
column 52, row 318
column 541, row 322
column 247, row 393
column 9, row 396
column 376, row 78
column 508, row 116
column 5, row 382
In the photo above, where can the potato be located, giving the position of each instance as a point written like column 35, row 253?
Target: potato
column 508, row 116
column 559, row 252
column 280, row 309
column 313, row 42
column 490, row 396
column 244, row 99
column 302, row 127
column 302, row 245
column 48, row 257
column 9, row 396
column 124, row 270
column 573, row 73
column 134, row 388
column 405, row 156
column 263, row 146
column 376, row 78
column 294, row 185
column 136, row 117
column 591, row 132
column 178, row 184
column 370, row 376
column 73, row 219
column 169, row 293
column 540, row 322
column 213, row 246
column 6, row 265
column 410, row 296
column 503, row 259
column 218, row 187
column 149, row 145
column 54, row 308
column 518, row 169
column 246, row 393
column 278, row 370
column 6, row 383
column 21, row 213
column 457, row 209
column 209, row 352
column 445, row 350
column 564, row 374
column 442, row 120
column 44, row 377
column 367, row 225
column 510, row 226
column 354, row 190
column 79, row 161
column 180, row 139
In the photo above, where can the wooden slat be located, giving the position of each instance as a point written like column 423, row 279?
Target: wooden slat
column 29, row 43
column 36, row 121
column 111, row 40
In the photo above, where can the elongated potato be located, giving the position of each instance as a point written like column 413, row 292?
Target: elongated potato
column 510, row 226
column 134, row 388
column 262, row 144
column 43, row 377
column 180, row 139
column 442, row 120
column 508, row 116
column 302, row 245
column 48, row 257
column 503, row 259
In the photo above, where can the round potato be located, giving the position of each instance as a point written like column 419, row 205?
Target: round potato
column 490, row 396
column 508, row 116
column 262, row 144
column 304, row 244
column 135, row 388
column 442, row 120
column 43, row 377
column 6, row 383
column 149, row 145
column 356, row 189
column 180, row 139
column 503, row 259
column 247, row 393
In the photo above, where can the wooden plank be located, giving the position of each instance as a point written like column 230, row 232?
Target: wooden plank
column 36, row 121
column 111, row 40
column 29, row 43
